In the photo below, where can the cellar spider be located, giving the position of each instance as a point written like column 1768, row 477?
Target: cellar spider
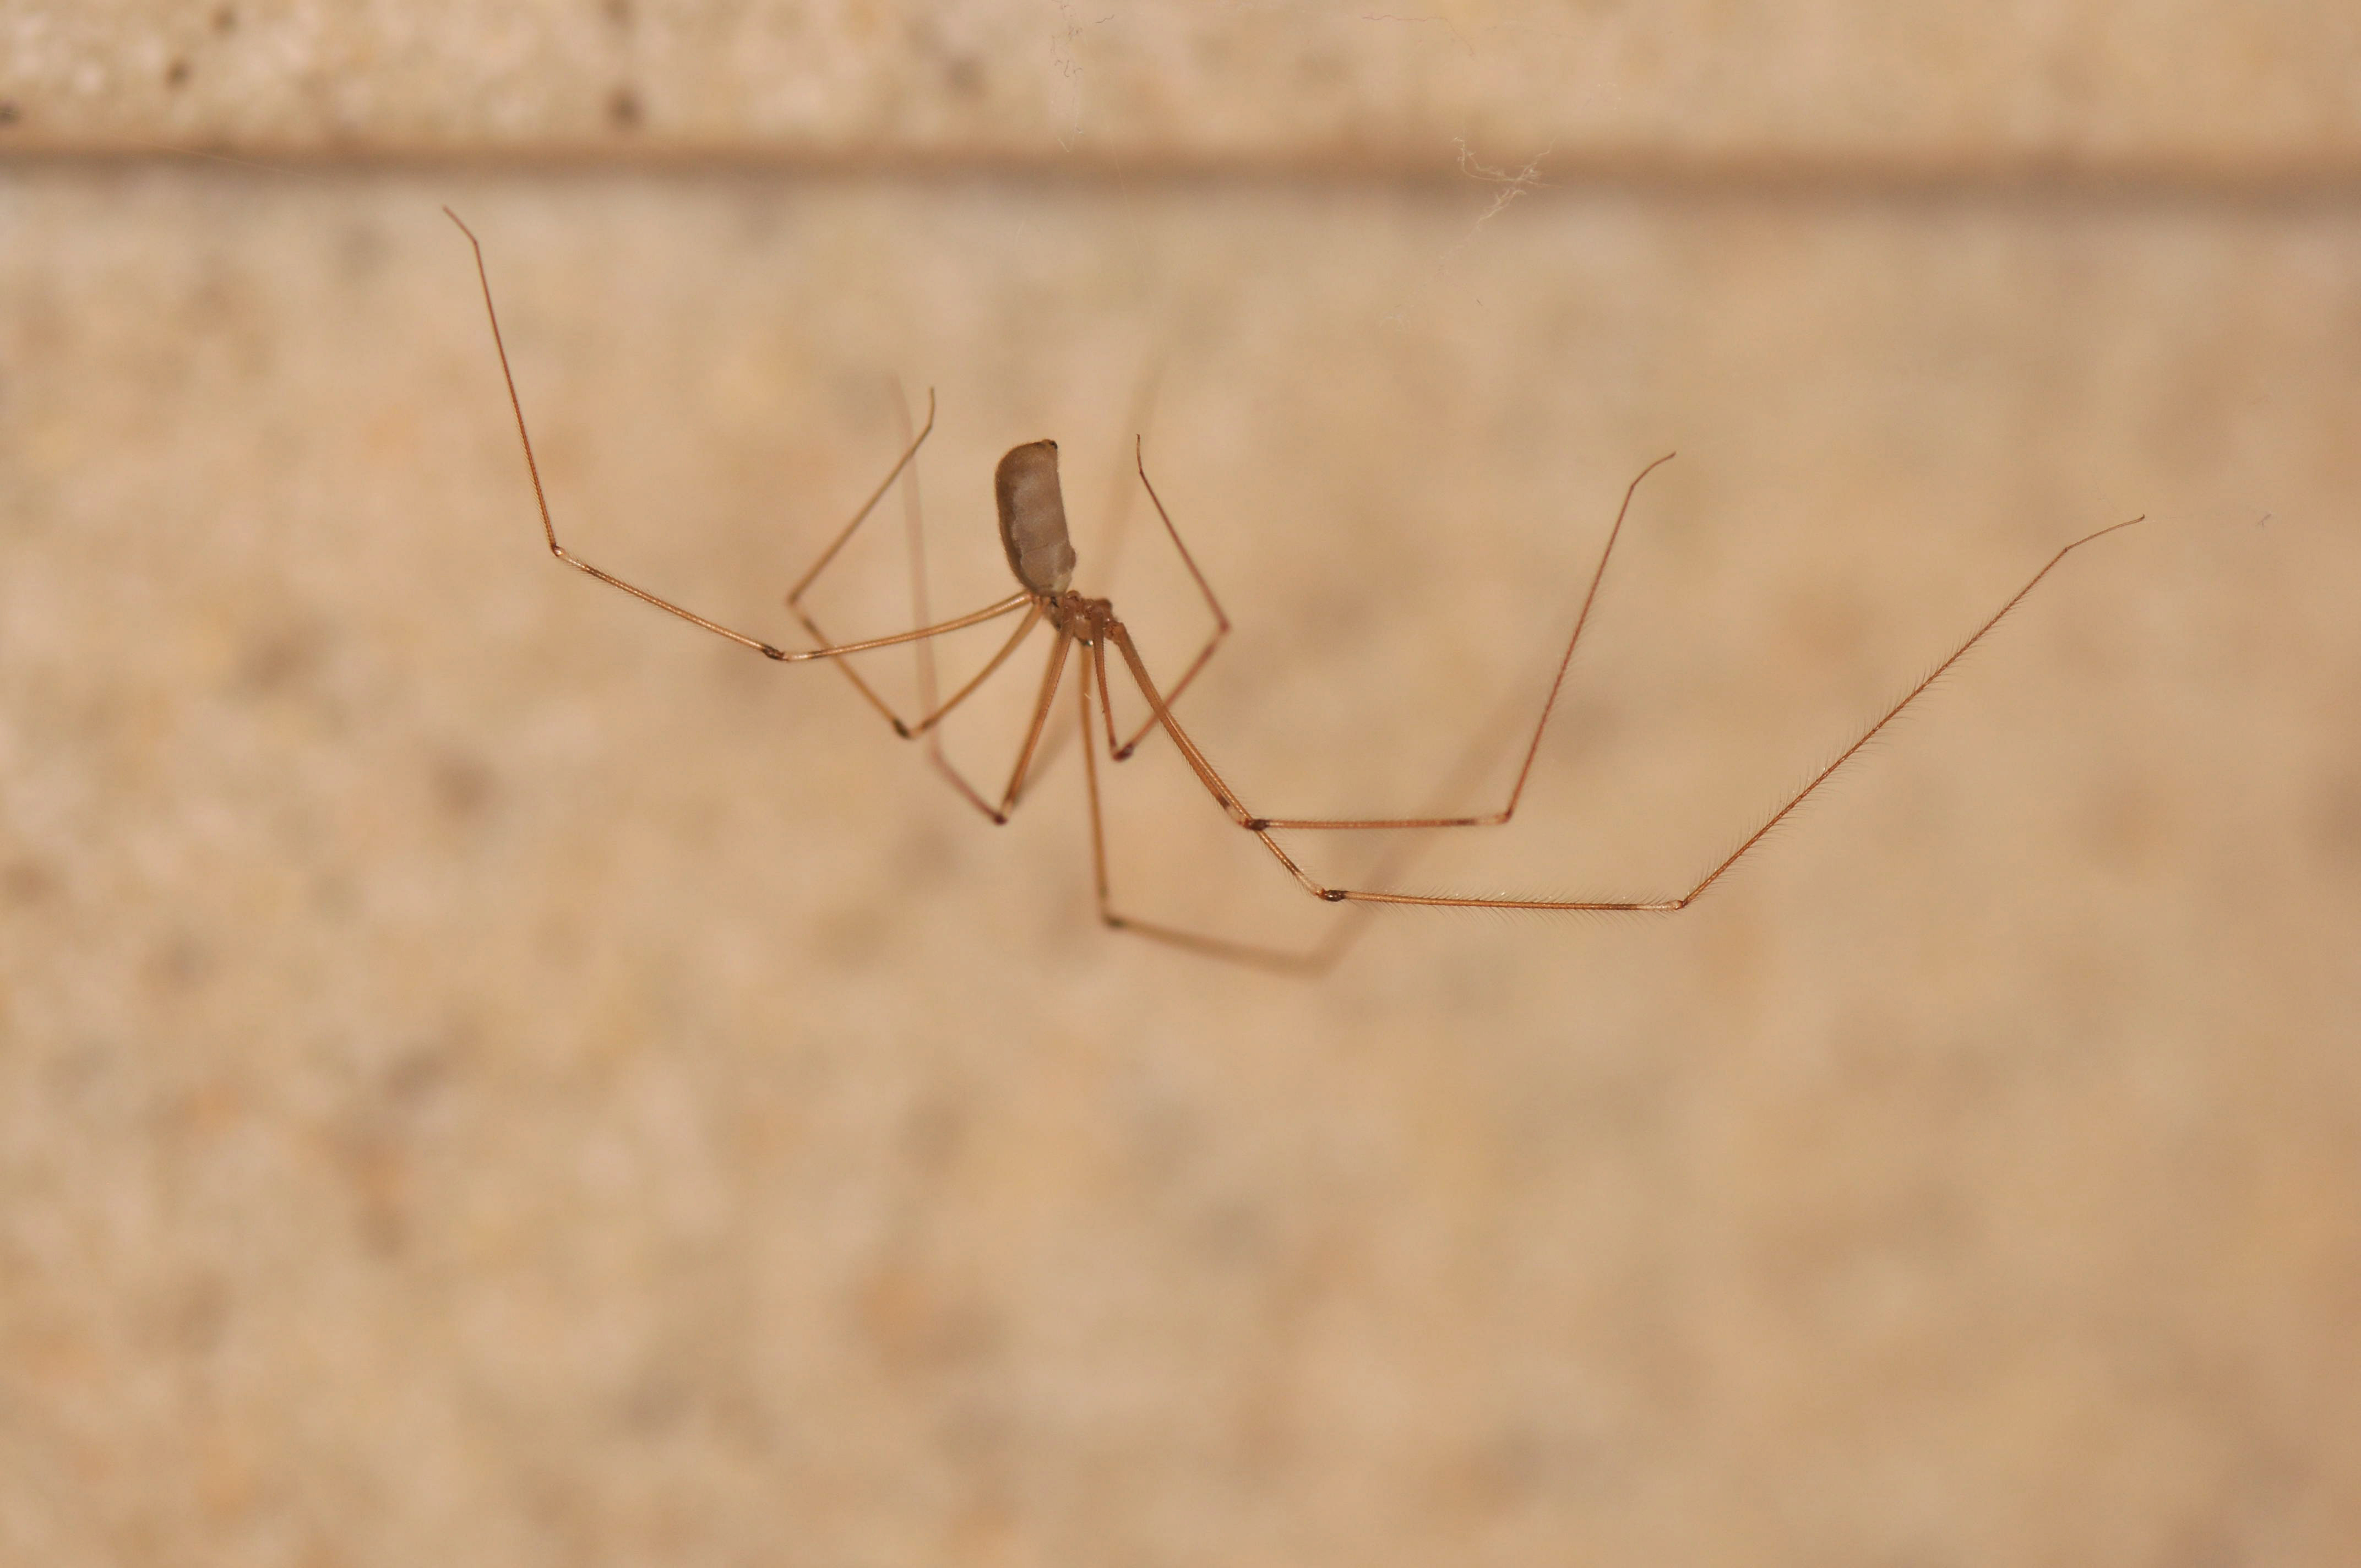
column 1033, row 532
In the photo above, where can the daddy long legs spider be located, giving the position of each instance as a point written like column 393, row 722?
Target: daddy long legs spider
column 1083, row 629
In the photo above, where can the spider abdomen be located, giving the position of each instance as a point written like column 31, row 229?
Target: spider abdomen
column 1033, row 518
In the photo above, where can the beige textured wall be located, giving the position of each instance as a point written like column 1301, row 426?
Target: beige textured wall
column 2175, row 88
column 489, row 1075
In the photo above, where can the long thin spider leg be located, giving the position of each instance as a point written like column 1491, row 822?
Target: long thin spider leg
column 795, row 594
column 1199, row 764
column 1090, row 784
column 927, row 726
column 909, row 730
column 1261, row 827
column 931, row 713
column 934, row 715
column 1106, row 709
column 925, row 650
column 1016, row 775
column 914, row 533
column 1683, row 900
column 914, row 529
column 1549, row 703
column 1318, row 960
column 549, row 531
column 1106, row 557
column 1221, row 621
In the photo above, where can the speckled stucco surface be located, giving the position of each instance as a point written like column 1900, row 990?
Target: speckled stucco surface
column 489, row 1074
column 2222, row 89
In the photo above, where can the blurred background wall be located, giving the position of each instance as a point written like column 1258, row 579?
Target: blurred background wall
column 489, row 1074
